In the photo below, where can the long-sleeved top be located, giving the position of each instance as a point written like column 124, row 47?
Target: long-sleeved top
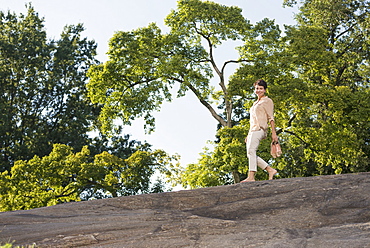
column 261, row 113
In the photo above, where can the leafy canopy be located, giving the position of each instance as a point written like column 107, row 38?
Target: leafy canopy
column 46, row 115
column 145, row 65
column 43, row 96
column 64, row 176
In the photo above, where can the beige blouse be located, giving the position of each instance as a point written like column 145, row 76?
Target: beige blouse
column 261, row 113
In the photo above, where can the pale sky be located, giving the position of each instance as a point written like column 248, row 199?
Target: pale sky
column 183, row 126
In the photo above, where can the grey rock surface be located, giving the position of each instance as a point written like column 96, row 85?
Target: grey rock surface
column 323, row 211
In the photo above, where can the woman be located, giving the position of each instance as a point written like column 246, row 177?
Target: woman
column 261, row 113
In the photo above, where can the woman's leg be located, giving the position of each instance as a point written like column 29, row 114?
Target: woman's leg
column 264, row 166
column 272, row 172
column 253, row 141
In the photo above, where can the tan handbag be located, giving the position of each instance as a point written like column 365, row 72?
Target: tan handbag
column 275, row 149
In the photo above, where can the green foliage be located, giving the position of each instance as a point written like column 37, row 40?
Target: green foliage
column 216, row 167
column 144, row 64
column 120, row 146
column 64, row 176
column 318, row 75
column 9, row 245
column 42, row 88
column 322, row 97
column 129, row 85
column 206, row 19
column 329, row 47
column 46, row 114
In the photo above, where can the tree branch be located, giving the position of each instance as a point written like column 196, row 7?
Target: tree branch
column 293, row 133
column 228, row 102
column 345, row 31
column 208, row 106
column 133, row 84
column 234, row 61
column 289, row 124
column 204, row 102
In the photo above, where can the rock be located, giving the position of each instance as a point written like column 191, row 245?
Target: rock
column 322, row 211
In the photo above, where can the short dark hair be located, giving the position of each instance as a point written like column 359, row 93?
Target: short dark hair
column 261, row 82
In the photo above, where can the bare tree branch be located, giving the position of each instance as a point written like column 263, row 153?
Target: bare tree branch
column 204, row 102
column 234, row 61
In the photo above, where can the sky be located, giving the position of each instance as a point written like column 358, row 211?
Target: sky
column 183, row 126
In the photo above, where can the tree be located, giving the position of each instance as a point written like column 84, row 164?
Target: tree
column 318, row 74
column 319, row 79
column 64, row 176
column 144, row 64
column 44, row 104
column 327, row 130
column 42, row 91
column 120, row 146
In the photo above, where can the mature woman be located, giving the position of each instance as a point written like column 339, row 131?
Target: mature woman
column 261, row 113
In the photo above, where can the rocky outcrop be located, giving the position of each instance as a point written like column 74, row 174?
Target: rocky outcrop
column 323, row 211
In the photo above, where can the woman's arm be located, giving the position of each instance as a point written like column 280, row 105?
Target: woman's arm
column 273, row 131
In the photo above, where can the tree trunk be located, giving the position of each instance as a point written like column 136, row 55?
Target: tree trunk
column 236, row 176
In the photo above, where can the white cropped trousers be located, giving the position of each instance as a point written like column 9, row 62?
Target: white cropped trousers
column 253, row 140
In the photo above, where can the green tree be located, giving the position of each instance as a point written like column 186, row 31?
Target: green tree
column 326, row 127
column 121, row 146
column 64, row 176
column 144, row 64
column 42, row 88
column 319, row 77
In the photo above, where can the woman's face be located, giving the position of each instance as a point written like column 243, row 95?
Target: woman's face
column 259, row 90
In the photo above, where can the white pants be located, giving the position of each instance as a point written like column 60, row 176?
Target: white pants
column 253, row 141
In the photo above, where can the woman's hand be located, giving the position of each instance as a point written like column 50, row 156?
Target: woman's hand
column 274, row 137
